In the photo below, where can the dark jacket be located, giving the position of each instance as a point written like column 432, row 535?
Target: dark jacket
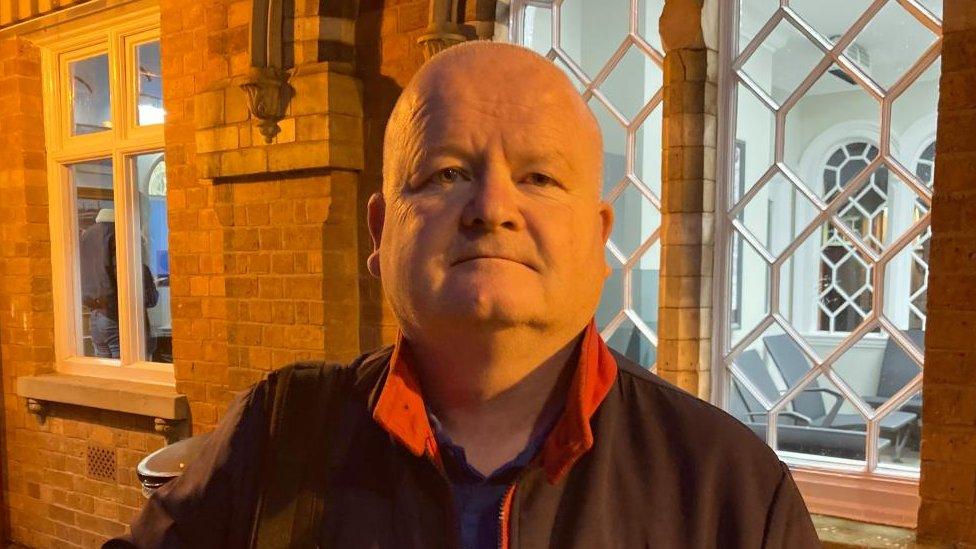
column 96, row 250
column 633, row 462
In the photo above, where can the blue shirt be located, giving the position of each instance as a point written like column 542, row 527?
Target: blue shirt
column 478, row 499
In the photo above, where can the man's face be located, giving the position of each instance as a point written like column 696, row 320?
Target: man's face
column 495, row 217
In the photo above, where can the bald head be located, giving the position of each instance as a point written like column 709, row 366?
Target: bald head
column 490, row 217
column 485, row 79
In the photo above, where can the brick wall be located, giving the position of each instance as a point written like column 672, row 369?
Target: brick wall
column 948, row 484
column 387, row 56
column 264, row 270
column 199, row 42
column 49, row 497
column 270, row 270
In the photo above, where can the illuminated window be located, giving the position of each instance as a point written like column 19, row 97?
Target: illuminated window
column 109, row 233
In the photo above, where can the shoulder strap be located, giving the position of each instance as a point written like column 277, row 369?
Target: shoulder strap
column 305, row 401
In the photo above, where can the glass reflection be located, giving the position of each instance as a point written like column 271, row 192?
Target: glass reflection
column 827, row 268
column 95, row 215
column 149, row 84
column 588, row 34
column 150, row 178
column 90, row 96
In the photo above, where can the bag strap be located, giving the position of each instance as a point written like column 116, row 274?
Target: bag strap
column 298, row 457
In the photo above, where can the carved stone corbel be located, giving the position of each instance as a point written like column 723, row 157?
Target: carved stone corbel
column 268, row 94
column 39, row 408
column 267, row 88
column 169, row 428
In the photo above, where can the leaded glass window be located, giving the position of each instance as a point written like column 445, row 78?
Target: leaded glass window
column 611, row 51
column 823, row 227
column 845, row 277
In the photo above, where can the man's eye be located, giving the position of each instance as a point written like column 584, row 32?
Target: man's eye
column 539, row 180
column 448, row 175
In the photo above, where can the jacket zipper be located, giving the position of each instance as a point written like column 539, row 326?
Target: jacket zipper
column 504, row 513
column 452, row 516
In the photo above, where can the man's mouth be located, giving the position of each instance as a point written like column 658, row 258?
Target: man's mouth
column 492, row 258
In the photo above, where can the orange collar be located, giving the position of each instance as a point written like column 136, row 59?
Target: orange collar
column 401, row 411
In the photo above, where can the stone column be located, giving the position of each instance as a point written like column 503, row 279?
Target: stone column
column 26, row 311
column 387, row 56
column 263, row 235
column 687, row 198
column 948, row 483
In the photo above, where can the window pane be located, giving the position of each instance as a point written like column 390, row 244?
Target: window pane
column 836, row 272
column 149, row 171
column 95, row 211
column 630, row 120
column 90, row 98
column 149, row 84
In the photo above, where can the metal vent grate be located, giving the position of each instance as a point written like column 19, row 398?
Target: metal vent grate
column 101, row 462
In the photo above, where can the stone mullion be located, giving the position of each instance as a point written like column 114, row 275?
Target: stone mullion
column 323, row 31
column 687, row 219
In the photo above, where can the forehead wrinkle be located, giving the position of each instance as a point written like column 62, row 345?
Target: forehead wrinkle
column 535, row 92
column 546, row 118
column 541, row 144
column 524, row 81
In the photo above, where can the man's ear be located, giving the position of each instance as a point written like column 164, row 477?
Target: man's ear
column 606, row 221
column 375, row 216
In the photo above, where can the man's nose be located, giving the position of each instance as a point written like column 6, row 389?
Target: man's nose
column 494, row 203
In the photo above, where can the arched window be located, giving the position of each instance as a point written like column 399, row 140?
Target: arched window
column 925, row 170
column 845, row 277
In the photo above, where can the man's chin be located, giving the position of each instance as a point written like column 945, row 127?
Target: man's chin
column 498, row 311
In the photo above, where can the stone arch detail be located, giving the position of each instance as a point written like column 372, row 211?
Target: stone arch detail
column 290, row 33
column 289, row 36
column 456, row 21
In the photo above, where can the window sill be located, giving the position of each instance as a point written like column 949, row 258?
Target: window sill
column 858, row 496
column 131, row 397
column 838, row 533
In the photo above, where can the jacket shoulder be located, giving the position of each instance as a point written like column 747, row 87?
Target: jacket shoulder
column 363, row 368
column 706, row 430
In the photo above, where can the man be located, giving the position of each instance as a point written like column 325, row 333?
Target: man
column 500, row 418
column 99, row 292
column 99, row 287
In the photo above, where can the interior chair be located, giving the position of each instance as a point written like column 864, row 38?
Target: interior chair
column 897, row 369
column 897, row 426
column 795, row 432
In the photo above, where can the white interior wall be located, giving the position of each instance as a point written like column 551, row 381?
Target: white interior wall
column 755, row 126
column 812, row 118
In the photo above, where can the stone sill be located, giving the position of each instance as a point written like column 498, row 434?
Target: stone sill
column 131, row 397
column 838, row 533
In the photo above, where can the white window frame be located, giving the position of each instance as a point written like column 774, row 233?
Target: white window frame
column 116, row 33
column 830, row 486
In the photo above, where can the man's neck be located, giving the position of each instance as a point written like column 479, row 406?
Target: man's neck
column 494, row 393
